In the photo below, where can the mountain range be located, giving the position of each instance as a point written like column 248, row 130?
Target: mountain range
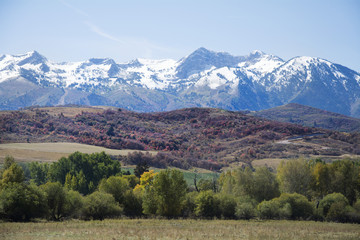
column 202, row 79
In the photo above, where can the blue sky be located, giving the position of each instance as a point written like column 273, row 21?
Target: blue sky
column 74, row 30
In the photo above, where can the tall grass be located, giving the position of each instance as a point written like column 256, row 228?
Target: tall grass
column 178, row 229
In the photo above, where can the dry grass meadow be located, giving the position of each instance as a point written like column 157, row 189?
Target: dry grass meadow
column 178, row 229
column 50, row 152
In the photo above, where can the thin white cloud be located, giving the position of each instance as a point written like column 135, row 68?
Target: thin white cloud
column 101, row 33
column 148, row 48
column 78, row 11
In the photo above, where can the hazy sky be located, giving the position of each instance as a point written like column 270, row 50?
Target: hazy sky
column 73, row 30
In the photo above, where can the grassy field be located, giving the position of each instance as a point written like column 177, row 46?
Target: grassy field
column 179, row 229
column 50, row 152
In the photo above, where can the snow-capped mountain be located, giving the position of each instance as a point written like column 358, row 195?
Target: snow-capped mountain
column 203, row 78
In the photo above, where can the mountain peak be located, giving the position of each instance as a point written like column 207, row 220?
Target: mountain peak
column 98, row 61
column 202, row 50
column 32, row 57
column 202, row 59
column 257, row 53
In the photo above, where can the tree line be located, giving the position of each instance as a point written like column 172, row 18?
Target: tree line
column 93, row 186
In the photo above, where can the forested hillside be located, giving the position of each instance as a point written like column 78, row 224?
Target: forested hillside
column 201, row 137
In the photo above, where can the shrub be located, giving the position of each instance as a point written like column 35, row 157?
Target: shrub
column 56, row 199
column 301, row 208
column 245, row 210
column 21, row 202
column 74, row 204
column 132, row 204
column 99, row 205
column 207, row 205
column 336, row 202
column 269, row 209
column 189, row 204
column 287, row 206
column 227, row 205
column 338, row 212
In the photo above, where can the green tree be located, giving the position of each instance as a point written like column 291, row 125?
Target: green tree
column 260, row 184
column 67, row 183
column 8, row 161
column 170, row 188
column 85, row 168
column 227, row 182
column 265, row 186
column 116, row 186
column 140, row 168
column 132, row 180
column 13, row 174
column 82, row 183
column 38, row 172
column 345, row 176
column 206, row 184
column 74, row 185
column 295, row 177
column 321, row 184
column 149, row 200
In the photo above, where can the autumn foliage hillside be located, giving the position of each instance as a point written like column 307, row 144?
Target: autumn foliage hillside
column 201, row 137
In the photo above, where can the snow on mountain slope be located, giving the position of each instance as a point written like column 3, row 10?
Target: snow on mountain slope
column 216, row 77
column 203, row 59
column 203, row 78
column 301, row 70
column 154, row 74
column 11, row 65
column 258, row 64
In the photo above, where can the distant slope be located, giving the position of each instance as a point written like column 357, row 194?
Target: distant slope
column 312, row 117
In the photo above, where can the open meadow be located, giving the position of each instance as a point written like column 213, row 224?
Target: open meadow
column 178, row 229
column 53, row 151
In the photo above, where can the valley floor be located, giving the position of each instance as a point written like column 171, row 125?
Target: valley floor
column 178, row 229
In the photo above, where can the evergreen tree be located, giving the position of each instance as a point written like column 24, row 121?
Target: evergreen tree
column 140, row 168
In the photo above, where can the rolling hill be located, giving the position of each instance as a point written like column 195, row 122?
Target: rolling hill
column 193, row 137
column 311, row 117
